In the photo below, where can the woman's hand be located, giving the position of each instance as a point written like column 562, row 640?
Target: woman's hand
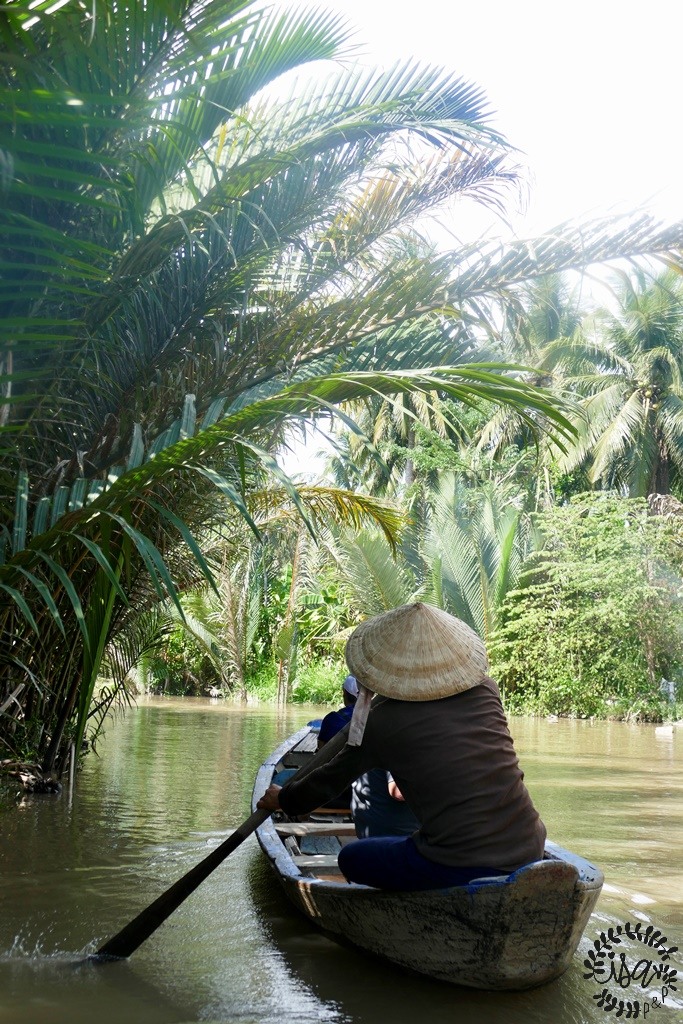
column 270, row 801
column 394, row 791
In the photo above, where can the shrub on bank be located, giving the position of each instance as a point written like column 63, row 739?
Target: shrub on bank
column 262, row 683
column 596, row 621
column 319, row 682
column 316, row 682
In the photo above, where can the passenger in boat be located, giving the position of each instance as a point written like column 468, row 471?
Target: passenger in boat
column 336, row 720
column 436, row 722
column 330, row 726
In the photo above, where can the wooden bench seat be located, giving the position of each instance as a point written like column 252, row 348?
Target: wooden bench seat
column 310, row 828
column 309, row 744
column 311, row 861
column 325, row 813
column 319, row 844
column 300, row 755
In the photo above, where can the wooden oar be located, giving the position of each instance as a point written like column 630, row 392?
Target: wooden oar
column 140, row 928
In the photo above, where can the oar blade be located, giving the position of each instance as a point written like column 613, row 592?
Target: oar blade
column 141, row 927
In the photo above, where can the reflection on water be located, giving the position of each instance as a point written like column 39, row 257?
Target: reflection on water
column 174, row 778
column 613, row 792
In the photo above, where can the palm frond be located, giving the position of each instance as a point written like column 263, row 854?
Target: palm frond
column 619, row 435
column 370, row 573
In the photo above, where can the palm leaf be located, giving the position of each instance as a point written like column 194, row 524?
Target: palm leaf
column 375, row 580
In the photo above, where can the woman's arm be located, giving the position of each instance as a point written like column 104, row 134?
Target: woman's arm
column 300, row 796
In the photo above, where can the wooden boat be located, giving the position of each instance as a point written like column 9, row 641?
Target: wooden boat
column 514, row 932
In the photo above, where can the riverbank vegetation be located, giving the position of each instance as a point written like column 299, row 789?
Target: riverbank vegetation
column 196, row 265
column 580, row 604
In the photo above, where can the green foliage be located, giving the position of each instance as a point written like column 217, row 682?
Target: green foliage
column 596, row 621
column 629, row 375
column 178, row 251
column 480, row 537
column 319, row 682
column 189, row 263
column 568, row 485
column 372, row 578
column 322, row 614
column 673, row 710
column 273, row 611
column 262, row 682
column 182, row 668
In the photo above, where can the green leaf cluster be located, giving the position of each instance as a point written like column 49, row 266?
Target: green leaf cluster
column 596, row 621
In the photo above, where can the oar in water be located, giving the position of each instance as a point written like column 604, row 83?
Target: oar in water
column 140, row 928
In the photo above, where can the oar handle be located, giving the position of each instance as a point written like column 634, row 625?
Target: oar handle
column 140, row 928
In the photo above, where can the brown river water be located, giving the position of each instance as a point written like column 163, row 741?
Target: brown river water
column 174, row 777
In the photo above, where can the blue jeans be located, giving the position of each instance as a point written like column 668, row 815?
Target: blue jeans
column 393, row 862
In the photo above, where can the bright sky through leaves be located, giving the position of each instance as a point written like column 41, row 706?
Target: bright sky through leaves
column 588, row 91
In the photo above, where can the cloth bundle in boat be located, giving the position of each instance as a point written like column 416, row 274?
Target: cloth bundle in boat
column 414, row 652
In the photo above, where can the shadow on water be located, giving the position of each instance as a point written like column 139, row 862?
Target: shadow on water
column 64, row 988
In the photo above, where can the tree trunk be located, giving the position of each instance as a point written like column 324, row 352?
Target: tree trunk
column 409, row 474
column 662, row 480
column 58, row 733
column 284, row 679
column 661, row 476
column 231, row 630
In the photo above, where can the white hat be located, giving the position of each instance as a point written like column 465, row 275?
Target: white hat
column 416, row 652
column 350, row 686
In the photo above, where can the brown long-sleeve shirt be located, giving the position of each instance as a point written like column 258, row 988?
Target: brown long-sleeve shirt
column 455, row 764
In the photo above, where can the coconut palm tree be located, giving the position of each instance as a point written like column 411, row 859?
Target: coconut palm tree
column 377, row 454
column 631, row 435
column 541, row 332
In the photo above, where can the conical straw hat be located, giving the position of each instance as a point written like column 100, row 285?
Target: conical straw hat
column 416, row 652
